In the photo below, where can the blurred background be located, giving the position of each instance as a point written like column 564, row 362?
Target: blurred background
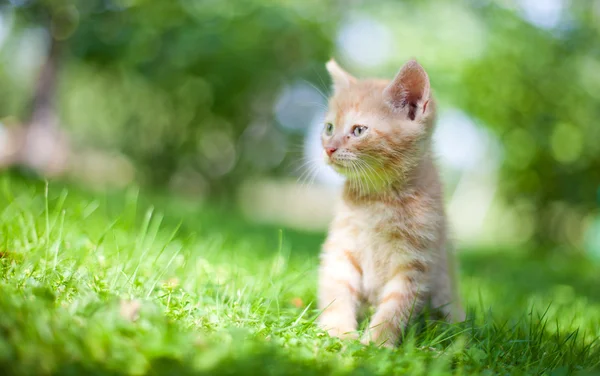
column 214, row 100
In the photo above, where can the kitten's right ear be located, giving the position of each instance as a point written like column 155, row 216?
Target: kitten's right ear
column 409, row 91
column 340, row 78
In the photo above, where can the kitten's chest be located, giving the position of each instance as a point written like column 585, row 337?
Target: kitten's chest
column 379, row 229
column 386, row 238
column 380, row 245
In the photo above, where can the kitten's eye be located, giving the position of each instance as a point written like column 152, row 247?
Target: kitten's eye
column 358, row 130
column 328, row 129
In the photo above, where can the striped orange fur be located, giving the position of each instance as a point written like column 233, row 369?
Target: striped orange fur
column 387, row 244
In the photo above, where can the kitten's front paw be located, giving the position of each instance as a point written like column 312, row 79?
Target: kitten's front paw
column 457, row 316
column 342, row 333
column 376, row 337
column 335, row 329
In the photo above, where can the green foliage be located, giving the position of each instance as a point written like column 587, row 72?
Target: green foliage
column 174, row 84
column 538, row 91
column 106, row 286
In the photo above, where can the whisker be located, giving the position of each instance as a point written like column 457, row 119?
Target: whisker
column 317, row 89
column 362, row 190
column 370, row 168
column 301, row 168
column 311, row 167
column 320, row 78
column 321, row 106
column 313, row 174
column 360, row 174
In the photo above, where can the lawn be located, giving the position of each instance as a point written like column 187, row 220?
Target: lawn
column 129, row 283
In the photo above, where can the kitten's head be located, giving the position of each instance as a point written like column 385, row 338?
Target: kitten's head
column 377, row 130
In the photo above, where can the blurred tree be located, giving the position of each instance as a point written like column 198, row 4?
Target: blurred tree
column 539, row 91
column 40, row 143
column 176, row 83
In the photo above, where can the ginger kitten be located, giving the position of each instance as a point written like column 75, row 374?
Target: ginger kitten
column 387, row 244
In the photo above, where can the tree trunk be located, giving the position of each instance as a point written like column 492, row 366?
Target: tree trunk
column 44, row 146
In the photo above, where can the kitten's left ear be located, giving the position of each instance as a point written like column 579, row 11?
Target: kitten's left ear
column 341, row 79
column 409, row 90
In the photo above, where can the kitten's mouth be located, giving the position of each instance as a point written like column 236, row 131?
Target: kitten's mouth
column 355, row 169
column 334, row 162
column 342, row 166
column 344, row 170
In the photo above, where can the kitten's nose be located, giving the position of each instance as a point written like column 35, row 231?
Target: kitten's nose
column 330, row 151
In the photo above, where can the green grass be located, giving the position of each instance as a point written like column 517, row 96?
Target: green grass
column 107, row 285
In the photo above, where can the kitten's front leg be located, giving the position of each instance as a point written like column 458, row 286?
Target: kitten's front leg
column 401, row 296
column 339, row 292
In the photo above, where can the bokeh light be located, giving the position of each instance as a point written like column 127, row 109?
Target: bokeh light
column 209, row 98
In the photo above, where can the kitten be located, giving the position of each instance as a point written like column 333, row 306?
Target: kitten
column 387, row 244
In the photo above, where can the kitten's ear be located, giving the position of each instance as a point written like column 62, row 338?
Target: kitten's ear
column 340, row 78
column 409, row 90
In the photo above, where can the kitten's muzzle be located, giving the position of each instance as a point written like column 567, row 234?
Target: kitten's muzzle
column 330, row 150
